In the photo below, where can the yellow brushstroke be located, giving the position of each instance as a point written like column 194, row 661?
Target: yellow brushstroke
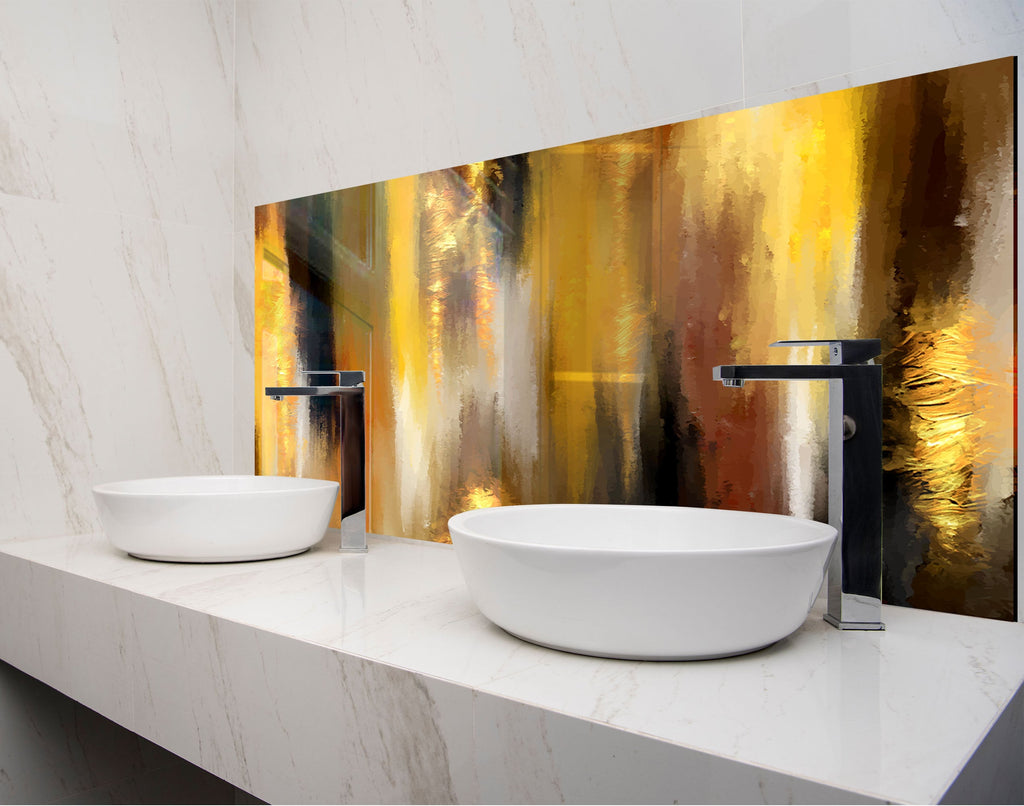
column 277, row 321
column 593, row 253
column 481, row 178
column 946, row 391
column 480, row 497
column 782, row 185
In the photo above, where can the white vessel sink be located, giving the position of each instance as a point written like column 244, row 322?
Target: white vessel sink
column 642, row 582
column 209, row 519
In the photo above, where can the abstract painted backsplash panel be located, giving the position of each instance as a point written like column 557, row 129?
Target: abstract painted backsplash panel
column 542, row 327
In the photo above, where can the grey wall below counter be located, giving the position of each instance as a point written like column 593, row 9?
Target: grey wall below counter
column 58, row 751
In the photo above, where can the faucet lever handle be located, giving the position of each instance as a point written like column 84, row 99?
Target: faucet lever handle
column 344, row 377
column 841, row 351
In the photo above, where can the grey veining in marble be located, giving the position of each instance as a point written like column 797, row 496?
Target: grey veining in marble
column 119, row 106
column 119, row 372
column 116, row 196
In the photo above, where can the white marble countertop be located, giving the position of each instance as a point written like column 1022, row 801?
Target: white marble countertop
column 894, row 715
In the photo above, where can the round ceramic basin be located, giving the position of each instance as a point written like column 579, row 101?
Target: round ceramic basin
column 642, row 582
column 207, row 519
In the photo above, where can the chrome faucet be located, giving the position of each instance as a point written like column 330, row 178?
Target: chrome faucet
column 854, row 470
column 350, row 388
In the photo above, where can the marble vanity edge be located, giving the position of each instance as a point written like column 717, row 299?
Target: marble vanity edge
column 178, row 677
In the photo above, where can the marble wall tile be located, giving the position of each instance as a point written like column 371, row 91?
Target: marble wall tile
column 115, row 340
column 800, row 41
column 116, row 178
column 906, row 64
column 243, row 350
column 119, row 106
column 328, row 94
column 335, row 95
column 504, row 78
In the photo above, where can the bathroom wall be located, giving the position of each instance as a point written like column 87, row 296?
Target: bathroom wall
column 333, row 96
column 116, row 321
column 115, row 235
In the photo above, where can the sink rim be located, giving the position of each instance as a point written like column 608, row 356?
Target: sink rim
column 825, row 533
column 142, row 487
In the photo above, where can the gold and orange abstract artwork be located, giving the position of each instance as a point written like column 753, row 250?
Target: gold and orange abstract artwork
column 543, row 327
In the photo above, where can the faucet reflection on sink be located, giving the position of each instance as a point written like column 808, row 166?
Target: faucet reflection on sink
column 642, row 582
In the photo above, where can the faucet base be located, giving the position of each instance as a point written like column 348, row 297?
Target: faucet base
column 353, row 533
column 853, row 625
